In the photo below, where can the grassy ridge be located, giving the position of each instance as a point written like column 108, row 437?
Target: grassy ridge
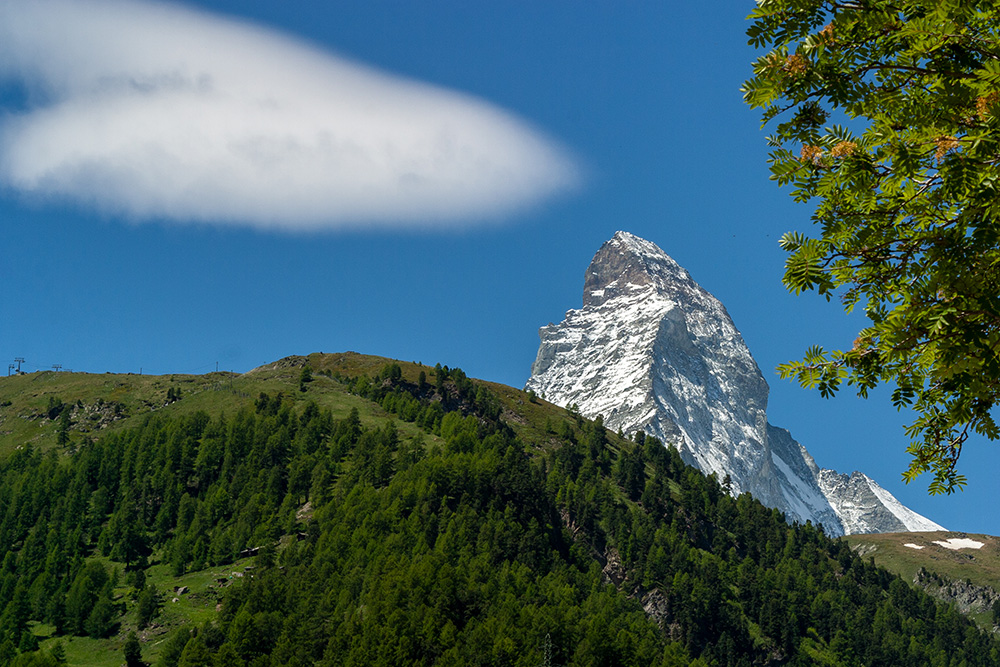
column 100, row 403
column 980, row 566
column 968, row 577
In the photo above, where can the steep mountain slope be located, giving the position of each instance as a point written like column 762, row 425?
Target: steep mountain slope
column 401, row 514
column 652, row 350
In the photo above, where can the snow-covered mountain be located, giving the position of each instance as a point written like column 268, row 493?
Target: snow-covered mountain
column 651, row 350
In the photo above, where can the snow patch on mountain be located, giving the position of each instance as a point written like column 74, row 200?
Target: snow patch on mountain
column 956, row 543
column 652, row 350
column 911, row 520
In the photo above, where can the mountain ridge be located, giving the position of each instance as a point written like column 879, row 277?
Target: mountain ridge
column 652, row 350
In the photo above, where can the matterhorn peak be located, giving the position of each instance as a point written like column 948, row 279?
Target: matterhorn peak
column 652, row 350
column 628, row 262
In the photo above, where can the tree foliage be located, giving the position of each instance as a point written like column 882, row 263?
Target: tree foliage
column 132, row 651
column 906, row 199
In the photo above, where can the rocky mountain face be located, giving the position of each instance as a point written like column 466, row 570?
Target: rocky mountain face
column 652, row 350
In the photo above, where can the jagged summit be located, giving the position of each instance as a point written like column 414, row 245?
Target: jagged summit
column 649, row 350
column 652, row 350
column 626, row 262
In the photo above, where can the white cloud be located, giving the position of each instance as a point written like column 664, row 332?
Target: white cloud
column 157, row 111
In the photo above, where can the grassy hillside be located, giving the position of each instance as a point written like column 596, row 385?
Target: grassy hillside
column 102, row 403
column 981, row 565
column 352, row 510
column 968, row 576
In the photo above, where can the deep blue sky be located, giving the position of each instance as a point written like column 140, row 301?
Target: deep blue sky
column 646, row 98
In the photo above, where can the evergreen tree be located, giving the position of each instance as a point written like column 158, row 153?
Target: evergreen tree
column 101, row 621
column 62, row 433
column 132, row 651
column 305, row 377
column 147, row 606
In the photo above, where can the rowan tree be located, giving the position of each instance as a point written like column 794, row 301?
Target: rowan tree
column 886, row 117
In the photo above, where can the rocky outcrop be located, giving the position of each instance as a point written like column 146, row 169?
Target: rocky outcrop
column 965, row 595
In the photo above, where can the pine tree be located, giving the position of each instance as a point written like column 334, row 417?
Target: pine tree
column 133, row 651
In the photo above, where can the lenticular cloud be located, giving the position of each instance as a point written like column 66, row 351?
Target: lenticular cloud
column 156, row 111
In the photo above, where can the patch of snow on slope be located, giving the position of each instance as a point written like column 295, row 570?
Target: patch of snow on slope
column 912, row 545
column 956, row 543
column 804, row 500
column 913, row 521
